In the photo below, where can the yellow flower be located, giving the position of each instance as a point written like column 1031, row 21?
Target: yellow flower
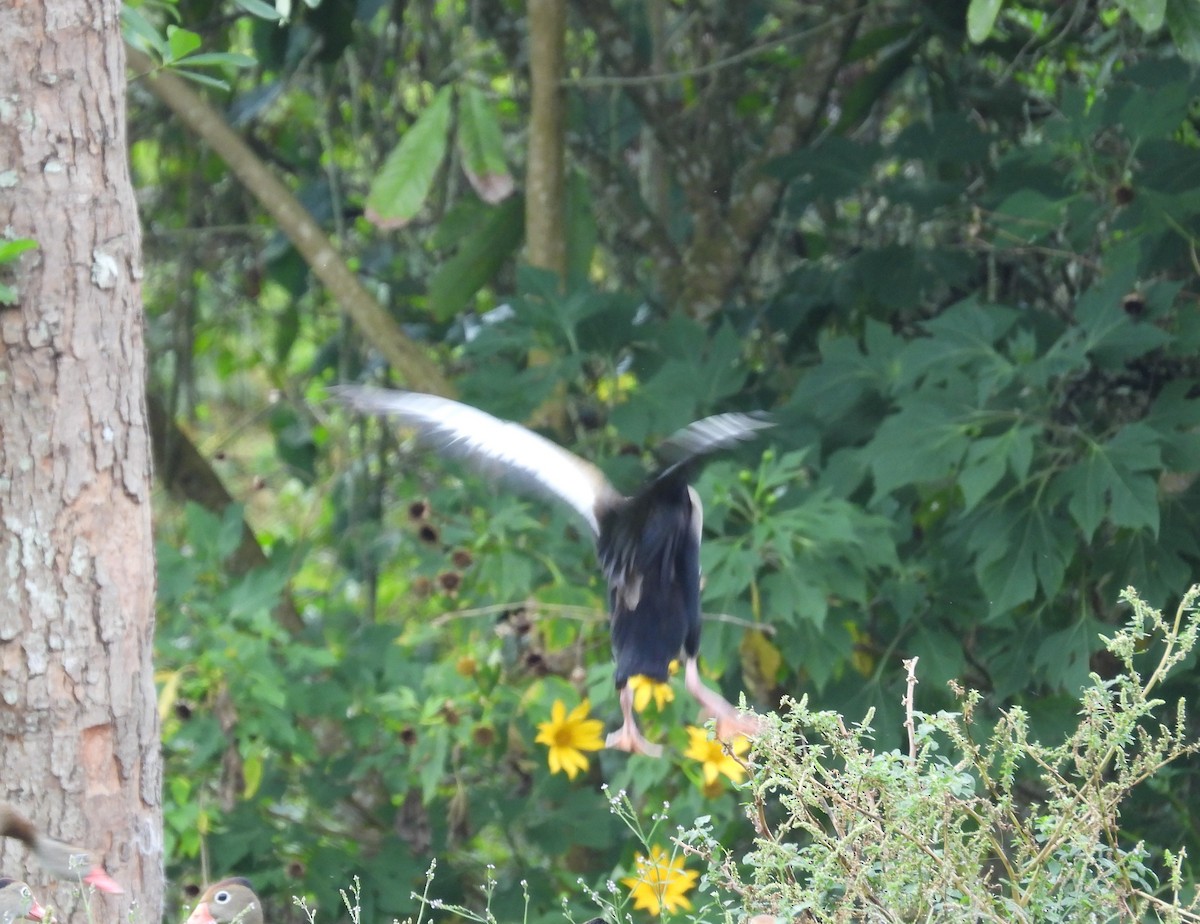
column 861, row 658
column 645, row 689
column 568, row 736
column 661, row 882
column 711, row 754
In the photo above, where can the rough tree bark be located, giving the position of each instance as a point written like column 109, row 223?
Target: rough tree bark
column 545, row 217
column 79, row 736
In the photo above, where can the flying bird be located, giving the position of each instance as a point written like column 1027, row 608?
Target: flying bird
column 17, row 901
column 66, row 861
column 648, row 543
column 227, row 902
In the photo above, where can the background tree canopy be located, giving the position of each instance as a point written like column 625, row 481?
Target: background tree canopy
column 959, row 269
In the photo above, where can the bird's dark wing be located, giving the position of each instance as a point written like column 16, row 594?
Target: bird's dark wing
column 647, row 529
column 490, row 445
column 639, row 538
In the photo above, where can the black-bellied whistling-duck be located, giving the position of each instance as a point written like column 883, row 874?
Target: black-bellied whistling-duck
column 230, row 901
column 648, row 543
column 17, row 901
column 67, row 862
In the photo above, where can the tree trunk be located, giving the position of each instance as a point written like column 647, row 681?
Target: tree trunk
column 79, row 738
column 545, row 215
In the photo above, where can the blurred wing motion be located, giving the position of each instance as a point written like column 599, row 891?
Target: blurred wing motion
column 648, row 544
column 710, row 435
column 66, row 861
column 491, row 445
column 644, row 532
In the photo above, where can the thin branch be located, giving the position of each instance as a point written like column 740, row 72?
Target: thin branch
column 407, row 357
column 641, row 80
column 1167, row 906
column 910, row 670
column 584, row 614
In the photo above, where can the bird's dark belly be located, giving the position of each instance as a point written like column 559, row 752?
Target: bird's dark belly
column 647, row 638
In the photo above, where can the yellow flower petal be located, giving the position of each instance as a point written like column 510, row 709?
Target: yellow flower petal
column 661, row 882
column 646, row 689
column 713, row 759
column 567, row 736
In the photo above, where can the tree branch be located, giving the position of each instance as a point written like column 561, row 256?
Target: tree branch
column 721, row 249
column 182, row 469
column 405, row 356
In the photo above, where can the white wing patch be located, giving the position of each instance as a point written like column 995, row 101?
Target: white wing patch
column 489, row 443
column 713, row 433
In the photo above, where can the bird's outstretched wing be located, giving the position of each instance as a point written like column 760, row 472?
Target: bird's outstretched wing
column 651, row 526
column 710, row 435
column 490, row 445
column 65, row 861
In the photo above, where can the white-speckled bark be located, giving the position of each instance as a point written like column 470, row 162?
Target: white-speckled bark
column 79, row 748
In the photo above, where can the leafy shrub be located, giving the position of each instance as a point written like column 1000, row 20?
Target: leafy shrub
column 970, row 823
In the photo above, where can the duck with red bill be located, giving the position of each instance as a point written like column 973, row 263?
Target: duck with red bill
column 230, row 901
column 17, row 902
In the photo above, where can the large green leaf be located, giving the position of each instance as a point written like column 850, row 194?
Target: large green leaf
column 582, row 229
column 1183, row 19
column 1112, row 336
column 1064, row 656
column 1117, row 480
column 847, row 374
column 834, row 168
column 181, row 43
column 481, row 145
column 981, row 17
column 1027, row 216
column 963, row 339
column 982, row 469
column 1157, row 112
column 480, row 256
column 403, row 183
column 922, row 443
column 1019, row 546
column 865, row 93
column 1175, row 418
column 1148, row 14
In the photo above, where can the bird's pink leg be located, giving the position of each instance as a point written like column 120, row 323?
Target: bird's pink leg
column 730, row 722
column 628, row 737
column 98, row 879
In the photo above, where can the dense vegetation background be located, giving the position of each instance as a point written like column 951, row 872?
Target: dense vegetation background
column 960, row 270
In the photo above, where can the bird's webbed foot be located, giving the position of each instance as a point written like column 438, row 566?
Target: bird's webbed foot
column 629, row 737
column 730, row 722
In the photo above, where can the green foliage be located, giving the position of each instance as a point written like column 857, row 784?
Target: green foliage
column 404, row 182
column 406, row 177
column 971, row 312
column 482, row 147
column 9, row 251
column 178, row 49
column 981, row 16
column 1180, row 17
column 971, row 823
column 977, row 821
